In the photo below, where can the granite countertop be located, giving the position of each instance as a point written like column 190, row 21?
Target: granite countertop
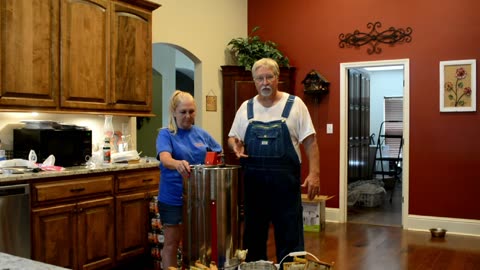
column 11, row 262
column 78, row 170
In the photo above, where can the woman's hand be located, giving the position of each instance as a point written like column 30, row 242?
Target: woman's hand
column 183, row 167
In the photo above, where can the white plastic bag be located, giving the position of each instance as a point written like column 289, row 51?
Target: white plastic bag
column 125, row 156
column 50, row 161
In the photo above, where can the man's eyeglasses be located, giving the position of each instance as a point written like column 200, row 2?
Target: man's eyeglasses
column 260, row 79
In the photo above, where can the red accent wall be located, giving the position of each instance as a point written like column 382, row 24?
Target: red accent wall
column 444, row 160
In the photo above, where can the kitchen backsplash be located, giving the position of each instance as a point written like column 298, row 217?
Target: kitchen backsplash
column 10, row 121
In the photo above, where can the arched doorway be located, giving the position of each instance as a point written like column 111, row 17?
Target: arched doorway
column 173, row 68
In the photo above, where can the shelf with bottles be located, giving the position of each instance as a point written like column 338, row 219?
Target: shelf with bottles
column 156, row 236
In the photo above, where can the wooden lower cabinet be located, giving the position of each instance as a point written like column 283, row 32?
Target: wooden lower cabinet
column 96, row 234
column 73, row 221
column 92, row 221
column 132, row 222
column 54, row 238
column 75, row 235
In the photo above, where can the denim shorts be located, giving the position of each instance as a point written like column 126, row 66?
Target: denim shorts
column 170, row 214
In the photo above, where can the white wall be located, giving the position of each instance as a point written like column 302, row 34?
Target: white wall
column 164, row 62
column 387, row 83
column 201, row 30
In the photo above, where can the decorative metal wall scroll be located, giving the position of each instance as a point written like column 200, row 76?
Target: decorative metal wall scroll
column 374, row 38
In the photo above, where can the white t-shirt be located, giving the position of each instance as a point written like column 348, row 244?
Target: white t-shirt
column 299, row 122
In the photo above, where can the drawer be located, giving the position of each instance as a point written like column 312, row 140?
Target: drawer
column 69, row 189
column 140, row 180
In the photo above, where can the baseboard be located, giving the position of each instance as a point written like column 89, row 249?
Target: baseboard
column 469, row 227
column 332, row 215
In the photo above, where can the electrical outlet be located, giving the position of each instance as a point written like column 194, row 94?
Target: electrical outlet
column 329, row 128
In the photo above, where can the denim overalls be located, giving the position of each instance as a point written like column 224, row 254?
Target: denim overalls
column 272, row 187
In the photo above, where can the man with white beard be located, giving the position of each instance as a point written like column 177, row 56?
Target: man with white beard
column 266, row 135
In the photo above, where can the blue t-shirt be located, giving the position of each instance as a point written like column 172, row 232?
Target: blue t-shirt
column 190, row 145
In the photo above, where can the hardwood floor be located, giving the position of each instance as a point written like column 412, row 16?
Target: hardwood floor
column 370, row 247
column 363, row 246
column 373, row 239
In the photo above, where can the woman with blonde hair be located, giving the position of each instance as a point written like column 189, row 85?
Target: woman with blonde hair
column 179, row 145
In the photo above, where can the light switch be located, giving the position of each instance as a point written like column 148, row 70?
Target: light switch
column 329, row 128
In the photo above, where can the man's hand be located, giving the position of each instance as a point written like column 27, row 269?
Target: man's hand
column 238, row 147
column 312, row 183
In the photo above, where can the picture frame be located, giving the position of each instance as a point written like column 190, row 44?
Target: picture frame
column 211, row 101
column 458, row 86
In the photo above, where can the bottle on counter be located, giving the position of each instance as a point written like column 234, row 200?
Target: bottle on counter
column 107, row 152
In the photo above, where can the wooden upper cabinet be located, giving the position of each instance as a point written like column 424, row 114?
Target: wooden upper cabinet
column 76, row 55
column 84, row 51
column 131, row 62
column 29, row 57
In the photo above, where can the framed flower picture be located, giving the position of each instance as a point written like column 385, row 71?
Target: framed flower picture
column 458, row 86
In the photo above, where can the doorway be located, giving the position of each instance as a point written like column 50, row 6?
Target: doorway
column 400, row 192
column 173, row 68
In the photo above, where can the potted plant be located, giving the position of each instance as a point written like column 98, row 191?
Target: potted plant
column 250, row 49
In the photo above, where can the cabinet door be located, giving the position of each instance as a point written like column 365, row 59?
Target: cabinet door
column 85, row 54
column 95, row 220
column 131, row 74
column 29, row 59
column 54, row 238
column 131, row 224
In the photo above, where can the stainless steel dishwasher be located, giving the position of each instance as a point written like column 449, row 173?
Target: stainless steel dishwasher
column 15, row 220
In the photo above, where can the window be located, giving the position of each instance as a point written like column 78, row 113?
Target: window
column 393, row 112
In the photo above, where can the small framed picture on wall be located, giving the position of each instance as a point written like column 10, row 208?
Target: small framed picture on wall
column 458, row 86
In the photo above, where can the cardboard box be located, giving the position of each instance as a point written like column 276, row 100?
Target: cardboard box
column 314, row 213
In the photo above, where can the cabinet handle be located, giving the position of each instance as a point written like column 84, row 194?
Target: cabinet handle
column 77, row 210
column 147, row 180
column 77, row 189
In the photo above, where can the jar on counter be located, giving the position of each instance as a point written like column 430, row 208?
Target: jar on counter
column 108, row 130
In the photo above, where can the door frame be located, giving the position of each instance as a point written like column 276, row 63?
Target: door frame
column 344, row 131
